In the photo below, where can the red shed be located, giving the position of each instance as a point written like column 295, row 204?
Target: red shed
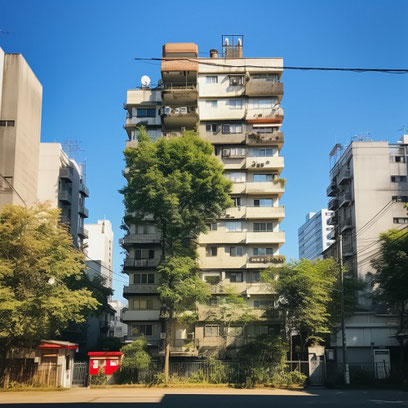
column 109, row 361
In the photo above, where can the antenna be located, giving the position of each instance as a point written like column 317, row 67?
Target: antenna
column 145, row 80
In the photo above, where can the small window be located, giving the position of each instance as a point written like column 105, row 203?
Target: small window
column 211, row 330
column 400, row 199
column 262, row 251
column 263, row 202
column 234, row 276
column 237, row 201
column 211, row 79
column 263, row 177
column 236, row 80
column 398, row 179
column 145, row 329
column 263, row 226
column 211, row 127
column 7, row 123
column 263, row 304
column 213, row 226
column 235, row 103
column 236, row 176
column 144, row 253
column 212, row 104
column 236, row 251
column 399, row 159
column 146, row 112
column 211, row 251
column 233, row 226
column 400, row 220
column 144, row 278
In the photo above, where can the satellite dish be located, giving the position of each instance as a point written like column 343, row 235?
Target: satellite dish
column 145, row 80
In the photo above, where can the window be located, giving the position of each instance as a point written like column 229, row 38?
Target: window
column 398, row 159
column 211, row 251
column 257, row 330
column 262, row 251
column 234, row 276
column 236, row 176
column 234, row 331
column 236, row 251
column 234, row 128
column 398, row 179
column 263, row 304
column 212, row 104
column 145, row 329
column 401, row 220
column 235, row 103
column 144, row 278
column 262, row 103
column 211, row 127
column 145, row 112
column 263, row 226
column 213, row 226
column 263, row 152
column 211, row 79
column 400, row 199
column 256, row 277
column 7, row 123
column 266, row 77
column 211, row 330
column 236, row 80
column 144, row 253
column 237, row 201
column 263, row 202
column 233, row 226
column 263, row 177
column 143, row 304
column 145, row 229
column 234, row 151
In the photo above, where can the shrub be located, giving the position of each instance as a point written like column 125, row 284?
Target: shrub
column 99, row 379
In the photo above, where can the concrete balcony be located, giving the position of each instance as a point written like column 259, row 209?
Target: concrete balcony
column 235, row 212
column 83, row 211
column 346, row 225
column 244, row 288
column 233, row 163
column 344, row 175
column 222, row 261
column 266, row 260
column 264, row 188
column 141, row 263
column 223, row 237
column 333, row 204
column 139, row 289
column 143, row 97
column 265, row 212
column 141, row 239
column 178, row 62
column 141, row 315
column 83, row 233
column 83, row 189
column 332, row 189
column 265, row 237
column 65, row 195
column 265, row 163
column 66, row 173
column 265, row 139
column 179, row 118
column 262, row 87
column 263, row 116
column 179, row 95
column 221, row 138
column 344, row 199
column 332, row 220
column 238, row 188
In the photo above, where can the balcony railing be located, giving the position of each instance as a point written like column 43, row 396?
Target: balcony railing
column 263, row 87
column 84, row 189
column 139, row 289
column 333, row 204
column 344, row 175
column 83, row 210
column 82, row 232
column 273, row 259
column 256, row 138
column 65, row 195
column 141, row 263
column 332, row 189
column 344, row 199
column 66, row 173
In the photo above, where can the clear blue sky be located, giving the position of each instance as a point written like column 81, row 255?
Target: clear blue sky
column 82, row 52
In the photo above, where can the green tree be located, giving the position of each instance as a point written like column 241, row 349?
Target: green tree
column 390, row 281
column 180, row 183
column 135, row 359
column 37, row 260
column 309, row 296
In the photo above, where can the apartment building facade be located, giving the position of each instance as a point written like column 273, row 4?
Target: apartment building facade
column 20, row 130
column 234, row 103
column 61, row 182
column 315, row 235
column 368, row 189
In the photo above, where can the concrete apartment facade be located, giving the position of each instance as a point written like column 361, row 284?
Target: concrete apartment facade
column 237, row 109
column 119, row 328
column 315, row 235
column 20, row 130
column 99, row 247
column 368, row 189
column 62, row 183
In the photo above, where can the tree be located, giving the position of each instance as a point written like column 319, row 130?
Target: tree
column 390, row 281
column 135, row 359
column 37, row 260
column 180, row 183
column 309, row 296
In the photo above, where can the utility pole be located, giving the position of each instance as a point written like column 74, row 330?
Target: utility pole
column 343, row 327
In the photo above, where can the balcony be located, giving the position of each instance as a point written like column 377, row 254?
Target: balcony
column 176, row 94
column 235, row 212
column 344, row 175
column 223, row 237
column 264, row 139
column 262, row 87
column 264, row 188
column 182, row 348
column 346, row 225
column 83, row 189
column 265, row 163
column 83, row 233
column 332, row 189
column 65, row 195
column 65, row 219
column 265, row 237
column 66, row 173
column 178, row 63
column 243, row 288
column 141, row 315
column 140, row 239
column 265, row 212
column 141, row 263
column 258, row 116
column 184, row 117
column 332, row 220
column 221, row 261
column 267, row 259
column 344, row 199
column 83, row 211
column 148, row 97
column 222, row 138
column 348, row 249
column 333, row 204
column 238, row 188
column 139, row 289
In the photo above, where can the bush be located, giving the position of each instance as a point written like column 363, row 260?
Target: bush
column 98, row 379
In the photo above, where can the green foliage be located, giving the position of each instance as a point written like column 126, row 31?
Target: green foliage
column 108, row 344
column 37, row 262
column 99, row 379
column 213, row 280
column 135, row 360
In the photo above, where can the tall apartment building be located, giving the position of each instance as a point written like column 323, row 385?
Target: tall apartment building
column 368, row 190
column 61, row 182
column 99, row 247
column 234, row 103
column 20, row 129
column 315, row 235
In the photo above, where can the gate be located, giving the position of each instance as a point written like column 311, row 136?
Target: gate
column 81, row 375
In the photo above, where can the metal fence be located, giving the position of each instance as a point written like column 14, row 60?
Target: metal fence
column 360, row 373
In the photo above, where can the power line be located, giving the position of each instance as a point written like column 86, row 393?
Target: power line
column 298, row 68
column 110, row 270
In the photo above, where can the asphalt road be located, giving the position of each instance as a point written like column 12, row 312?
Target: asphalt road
column 200, row 398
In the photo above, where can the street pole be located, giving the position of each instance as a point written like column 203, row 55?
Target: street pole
column 343, row 326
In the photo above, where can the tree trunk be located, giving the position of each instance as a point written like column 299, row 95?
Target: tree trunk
column 401, row 340
column 169, row 323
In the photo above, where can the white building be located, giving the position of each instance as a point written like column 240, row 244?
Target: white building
column 119, row 328
column 61, row 182
column 315, row 235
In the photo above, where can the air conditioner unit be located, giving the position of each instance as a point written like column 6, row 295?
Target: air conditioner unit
column 176, row 110
column 183, row 110
column 167, row 110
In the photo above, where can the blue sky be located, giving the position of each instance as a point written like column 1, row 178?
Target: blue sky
column 82, row 52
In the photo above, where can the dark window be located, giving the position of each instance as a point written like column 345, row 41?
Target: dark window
column 396, row 179
column 234, row 276
column 400, row 220
column 236, row 251
column 400, row 199
column 399, row 159
column 263, row 226
column 7, row 123
column 144, row 278
column 236, row 80
column 212, row 251
column 145, row 329
column 237, row 201
column 211, row 127
column 225, row 128
column 146, row 112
